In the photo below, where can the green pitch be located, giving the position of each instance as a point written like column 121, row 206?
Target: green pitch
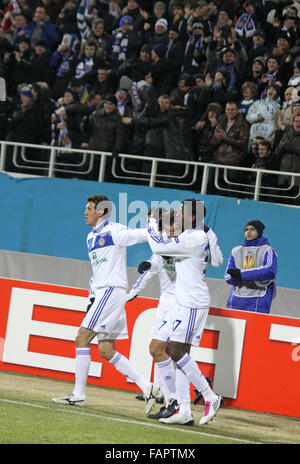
column 113, row 417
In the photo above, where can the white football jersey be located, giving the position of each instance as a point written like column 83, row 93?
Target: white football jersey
column 192, row 247
column 165, row 267
column 107, row 252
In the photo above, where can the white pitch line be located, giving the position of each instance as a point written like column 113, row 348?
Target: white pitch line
column 129, row 421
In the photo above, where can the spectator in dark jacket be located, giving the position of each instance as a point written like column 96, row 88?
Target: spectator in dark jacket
column 124, row 43
column 25, row 125
column 42, row 29
column 107, row 133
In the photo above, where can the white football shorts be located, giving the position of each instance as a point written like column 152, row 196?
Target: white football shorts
column 164, row 318
column 188, row 325
column 107, row 316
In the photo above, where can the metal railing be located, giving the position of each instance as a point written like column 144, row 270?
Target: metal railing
column 195, row 175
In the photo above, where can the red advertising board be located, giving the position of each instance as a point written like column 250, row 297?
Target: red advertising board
column 253, row 359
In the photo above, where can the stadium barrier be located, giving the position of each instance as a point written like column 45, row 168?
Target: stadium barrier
column 252, row 358
column 196, row 175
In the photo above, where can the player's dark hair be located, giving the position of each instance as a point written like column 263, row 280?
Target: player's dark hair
column 102, row 203
column 197, row 210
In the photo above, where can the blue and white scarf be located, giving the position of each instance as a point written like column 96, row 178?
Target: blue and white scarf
column 84, row 66
column 119, row 46
column 63, row 139
column 245, row 25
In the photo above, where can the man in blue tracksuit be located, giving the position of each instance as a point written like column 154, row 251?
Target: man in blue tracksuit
column 251, row 270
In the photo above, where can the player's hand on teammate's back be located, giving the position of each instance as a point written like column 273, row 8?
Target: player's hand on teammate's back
column 144, row 266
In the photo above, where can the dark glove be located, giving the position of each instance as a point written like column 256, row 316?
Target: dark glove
column 236, row 273
column 90, row 304
column 144, row 266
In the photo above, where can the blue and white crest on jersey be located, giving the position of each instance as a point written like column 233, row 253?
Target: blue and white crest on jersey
column 100, row 241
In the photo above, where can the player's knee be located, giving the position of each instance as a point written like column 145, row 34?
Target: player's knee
column 106, row 350
column 84, row 337
column 177, row 350
column 157, row 350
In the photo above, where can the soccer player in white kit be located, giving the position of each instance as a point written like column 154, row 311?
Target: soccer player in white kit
column 106, row 317
column 165, row 267
column 193, row 300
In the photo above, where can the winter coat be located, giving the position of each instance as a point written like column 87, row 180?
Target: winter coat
column 107, row 131
column 258, row 264
column 269, row 110
column 233, row 148
column 288, row 151
column 26, row 124
column 50, row 33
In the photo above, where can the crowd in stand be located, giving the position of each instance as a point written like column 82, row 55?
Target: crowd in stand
column 209, row 80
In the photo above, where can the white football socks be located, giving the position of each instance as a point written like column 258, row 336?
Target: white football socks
column 183, row 392
column 167, row 374
column 82, row 365
column 124, row 366
column 192, row 371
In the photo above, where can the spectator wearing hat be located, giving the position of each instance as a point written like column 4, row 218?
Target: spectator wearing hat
column 124, row 43
column 137, row 68
column 251, row 271
column 174, row 54
column 157, row 11
column 194, row 59
column 256, row 72
column 40, row 28
column 272, row 74
column 39, row 67
column 229, row 63
column 25, row 125
column 159, row 70
column 258, row 47
column 224, row 18
column 80, row 88
column 106, row 131
column 160, row 11
column 133, row 9
column 159, row 34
